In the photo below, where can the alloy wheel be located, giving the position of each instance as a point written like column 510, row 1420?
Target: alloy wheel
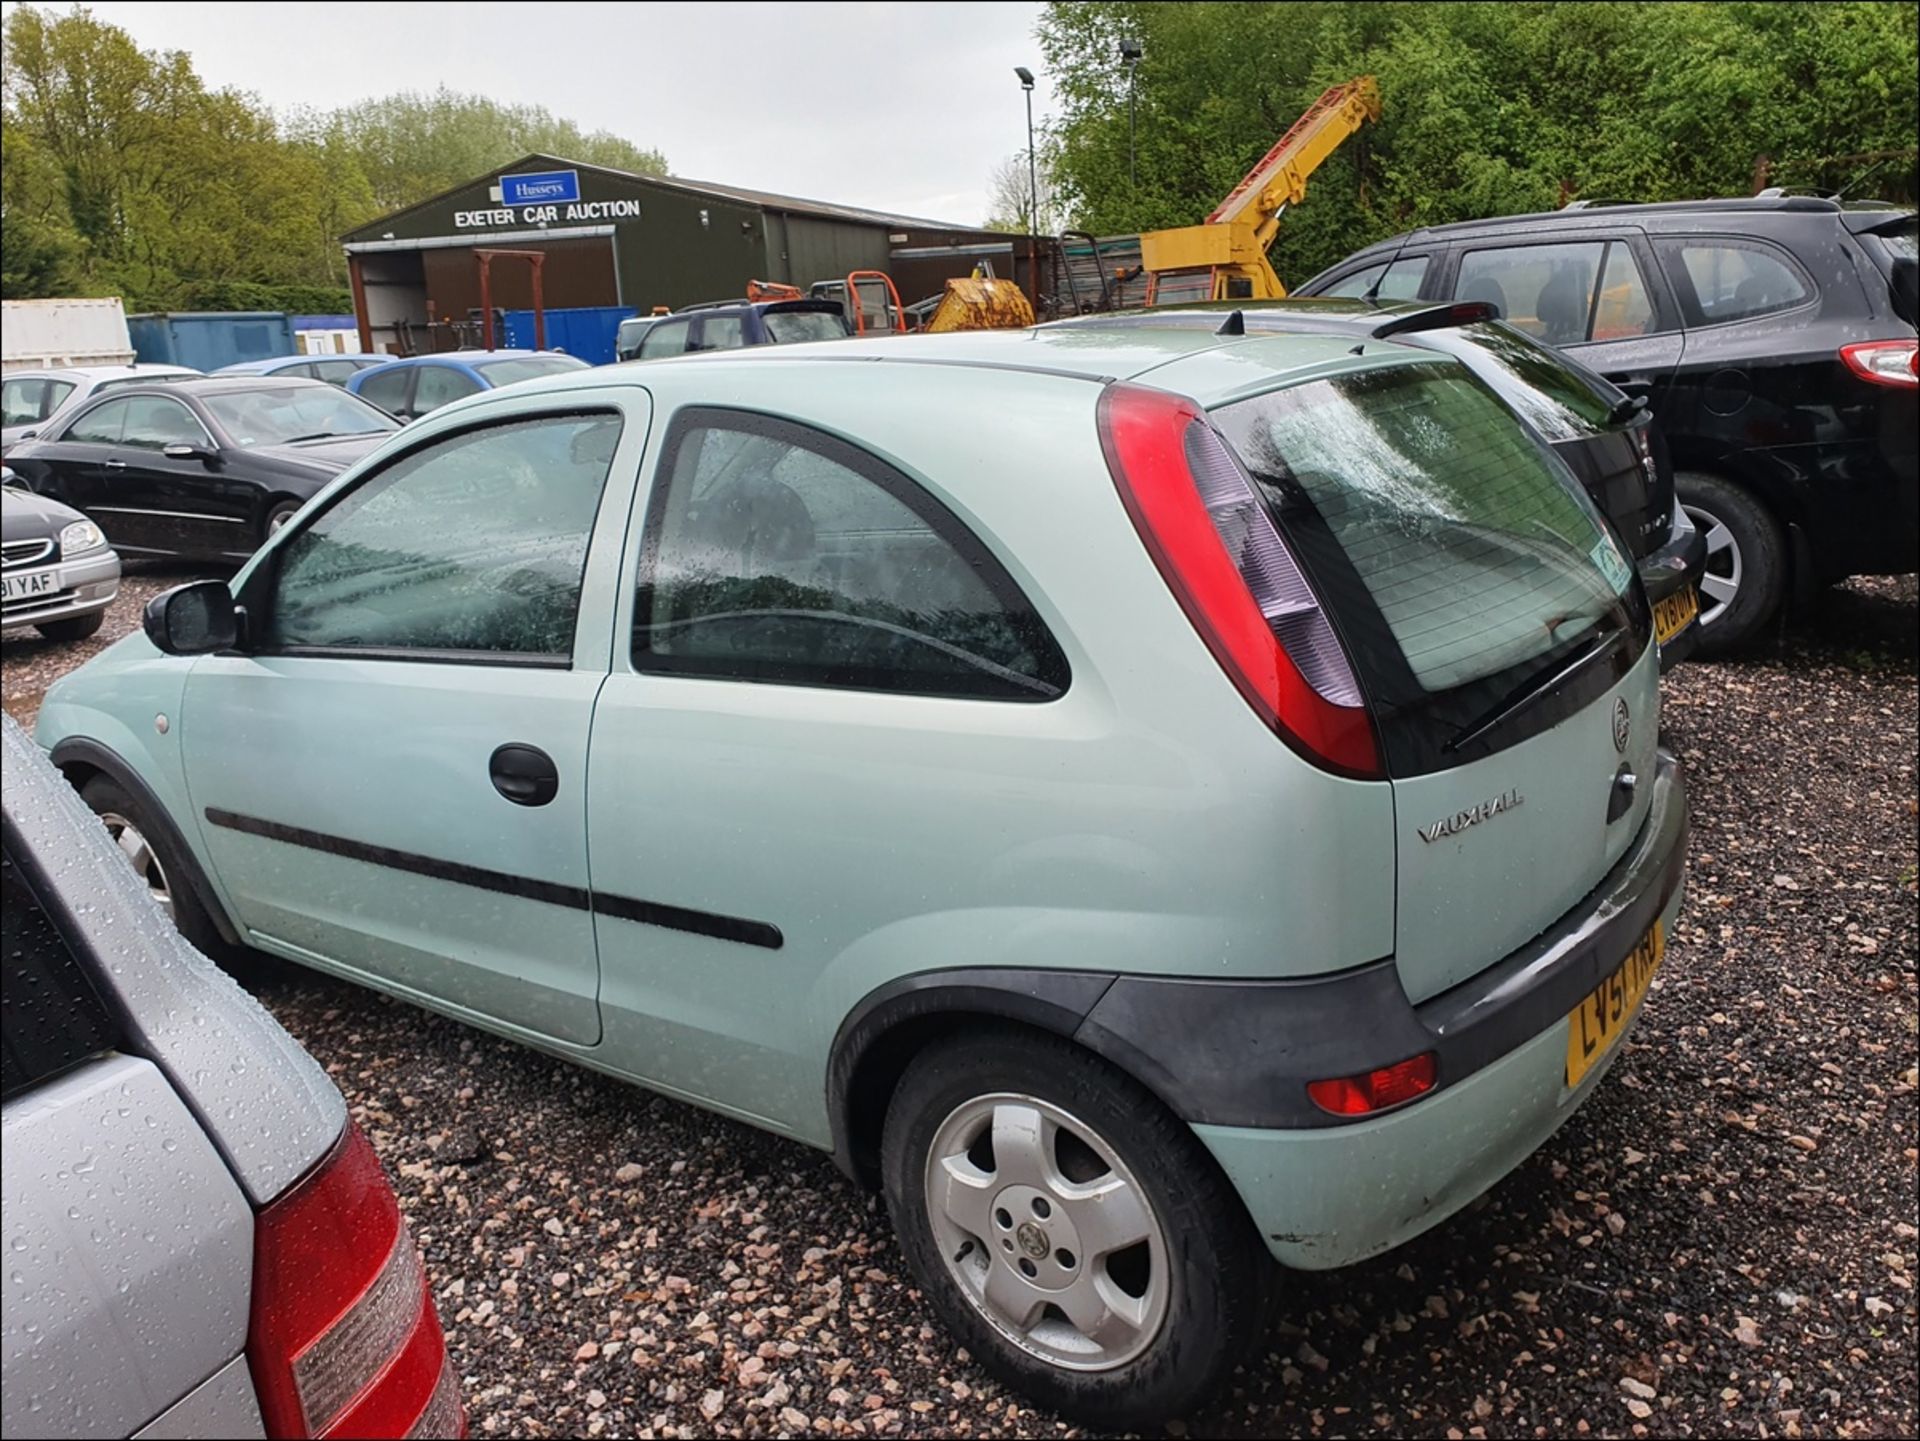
column 1721, row 580
column 1047, row 1232
column 140, row 855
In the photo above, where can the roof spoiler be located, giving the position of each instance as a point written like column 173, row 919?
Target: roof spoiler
column 1869, row 219
column 1438, row 317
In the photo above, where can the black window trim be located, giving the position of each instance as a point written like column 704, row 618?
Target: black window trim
column 257, row 592
column 980, row 559
column 1667, row 248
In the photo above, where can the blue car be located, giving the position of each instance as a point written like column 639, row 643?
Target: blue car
column 409, row 388
column 334, row 369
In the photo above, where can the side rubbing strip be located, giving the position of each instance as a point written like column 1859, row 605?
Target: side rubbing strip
column 651, row 913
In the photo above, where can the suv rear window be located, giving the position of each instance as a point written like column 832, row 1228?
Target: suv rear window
column 51, row 1017
column 790, row 326
column 1458, row 555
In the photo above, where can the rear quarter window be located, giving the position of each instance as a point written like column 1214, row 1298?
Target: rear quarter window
column 1720, row 279
column 51, row 1016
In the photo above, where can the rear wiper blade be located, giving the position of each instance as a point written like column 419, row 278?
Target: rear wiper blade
column 1537, row 687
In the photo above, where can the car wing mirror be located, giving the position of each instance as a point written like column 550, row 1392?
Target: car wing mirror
column 193, row 619
column 181, row 451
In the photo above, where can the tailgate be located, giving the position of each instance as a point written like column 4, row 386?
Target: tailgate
column 1493, row 852
column 1495, row 625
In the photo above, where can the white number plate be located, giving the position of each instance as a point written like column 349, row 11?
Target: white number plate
column 32, row 583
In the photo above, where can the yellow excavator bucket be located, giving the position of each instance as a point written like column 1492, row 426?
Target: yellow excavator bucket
column 982, row 303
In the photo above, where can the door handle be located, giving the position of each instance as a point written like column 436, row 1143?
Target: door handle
column 524, row 774
column 116, row 465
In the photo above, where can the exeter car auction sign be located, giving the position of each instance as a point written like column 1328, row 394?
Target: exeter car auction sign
column 545, row 197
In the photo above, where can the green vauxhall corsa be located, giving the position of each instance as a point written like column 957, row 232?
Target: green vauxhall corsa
column 1148, row 801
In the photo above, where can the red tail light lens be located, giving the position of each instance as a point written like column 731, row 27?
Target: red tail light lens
column 1885, row 362
column 343, row 1339
column 1376, row 1090
column 1201, row 520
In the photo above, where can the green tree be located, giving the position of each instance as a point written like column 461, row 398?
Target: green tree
column 412, row 146
column 1488, row 108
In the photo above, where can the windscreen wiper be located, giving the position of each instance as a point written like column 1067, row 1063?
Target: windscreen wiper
column 1537, row 687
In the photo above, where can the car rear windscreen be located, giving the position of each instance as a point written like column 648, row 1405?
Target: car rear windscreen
column 1560, row 398
column 1471, row 540
column 51, row 1017
column 790, row 326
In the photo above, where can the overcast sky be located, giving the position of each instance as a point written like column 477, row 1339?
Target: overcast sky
column 903, row 107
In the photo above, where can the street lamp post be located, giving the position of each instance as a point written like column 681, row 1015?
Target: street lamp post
column 1130, row 57
column 1033, row 190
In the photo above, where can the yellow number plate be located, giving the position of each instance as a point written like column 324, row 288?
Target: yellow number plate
column 1596, row 1023
column 1670, row 616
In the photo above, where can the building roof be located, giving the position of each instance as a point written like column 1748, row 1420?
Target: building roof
column 764, row 199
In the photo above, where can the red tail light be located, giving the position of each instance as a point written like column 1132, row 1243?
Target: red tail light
column 1885, row 362
column 1376, row 1090
column 1206, row 529
column 343, row 1339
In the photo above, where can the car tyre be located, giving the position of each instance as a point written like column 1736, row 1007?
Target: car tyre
column 77, row 627
column 1746, row 576
column 145, row 845
column 277, row 517
column 1012, row 1133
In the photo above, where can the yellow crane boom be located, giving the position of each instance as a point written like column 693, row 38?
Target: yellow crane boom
column 1226, row 257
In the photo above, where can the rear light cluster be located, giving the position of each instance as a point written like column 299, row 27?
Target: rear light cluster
column 1377, row 1090
column 343, row 1339
column 1203, row 523
column 1884, row 362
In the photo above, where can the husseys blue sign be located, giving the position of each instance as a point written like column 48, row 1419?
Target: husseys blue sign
column 545, row 188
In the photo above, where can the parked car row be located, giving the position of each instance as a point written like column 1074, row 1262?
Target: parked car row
column 1249, row 835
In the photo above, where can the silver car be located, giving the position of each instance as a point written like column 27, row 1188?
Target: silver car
column 199, row 1241
column 31, row 398
column 57, row 572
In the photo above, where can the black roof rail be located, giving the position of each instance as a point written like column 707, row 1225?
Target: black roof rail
column 1593, row 203
column 1437, row 317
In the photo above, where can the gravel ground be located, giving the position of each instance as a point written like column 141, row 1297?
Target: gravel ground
column 1721, row 1243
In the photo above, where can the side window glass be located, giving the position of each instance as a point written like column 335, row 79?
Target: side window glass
column 57, row 393
column 153, row 423
column 23, row 401
column 334, row 372
column 388, row 391
column 1623, row 309
column 1545, row 290
column 472, row 544
column 440, row 385
column 669, row 337
column 775, row 553
column 1735, row 281
column 101, row 425
column 1401, row 282
column 721, row 332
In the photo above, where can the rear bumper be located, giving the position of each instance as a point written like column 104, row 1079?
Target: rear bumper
column 1329, row 1192
column 1671, row 569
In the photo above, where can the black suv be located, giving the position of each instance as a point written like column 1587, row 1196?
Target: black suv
column 730, row 324
column 1774, row 338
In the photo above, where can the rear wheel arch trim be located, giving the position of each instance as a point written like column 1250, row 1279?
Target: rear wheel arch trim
column 862, row 1057
column 80, row 760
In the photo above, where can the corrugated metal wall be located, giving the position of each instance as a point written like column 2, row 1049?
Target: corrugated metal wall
column 829, row 249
